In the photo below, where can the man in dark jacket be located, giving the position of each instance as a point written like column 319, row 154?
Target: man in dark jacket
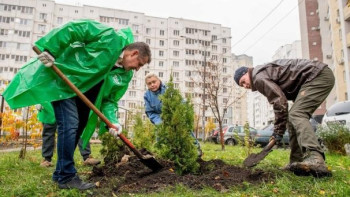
column 307, row 83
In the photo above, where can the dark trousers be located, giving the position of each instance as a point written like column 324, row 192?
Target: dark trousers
column 48, row 146
column 302, row 137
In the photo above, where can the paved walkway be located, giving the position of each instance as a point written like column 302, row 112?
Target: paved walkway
column 39, row 148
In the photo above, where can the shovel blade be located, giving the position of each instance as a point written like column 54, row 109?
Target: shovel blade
column 253, row 159
column 152, row 164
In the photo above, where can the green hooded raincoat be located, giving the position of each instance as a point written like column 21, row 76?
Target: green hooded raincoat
column 85, row 52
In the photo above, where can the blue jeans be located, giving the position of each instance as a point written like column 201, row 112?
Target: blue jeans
column 67, row 120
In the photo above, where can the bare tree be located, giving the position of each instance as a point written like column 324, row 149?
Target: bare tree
column 217, row 81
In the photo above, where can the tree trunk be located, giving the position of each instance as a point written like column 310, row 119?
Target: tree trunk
column 221, row 136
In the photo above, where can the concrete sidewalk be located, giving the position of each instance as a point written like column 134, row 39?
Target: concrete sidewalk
column 39, row 148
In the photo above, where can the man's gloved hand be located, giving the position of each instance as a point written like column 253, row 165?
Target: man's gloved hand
column 277, row 137
column 38, row 107
column 46, row 58
column 116, row 132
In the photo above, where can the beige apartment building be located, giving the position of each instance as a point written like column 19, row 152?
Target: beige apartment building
column 325, row 32
column 179, row 46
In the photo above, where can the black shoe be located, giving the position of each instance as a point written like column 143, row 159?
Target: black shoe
column 76, row 183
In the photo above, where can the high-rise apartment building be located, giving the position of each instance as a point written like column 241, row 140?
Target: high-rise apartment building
column 325, row 30
column 240, row 105
column 178, row 45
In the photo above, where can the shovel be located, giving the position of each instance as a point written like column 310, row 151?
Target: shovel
column 147, row 160
column 253, row 159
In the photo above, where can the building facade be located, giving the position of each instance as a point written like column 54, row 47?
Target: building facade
column 179, row 46
column 325, row 30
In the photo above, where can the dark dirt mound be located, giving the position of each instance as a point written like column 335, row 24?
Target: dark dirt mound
column 133, row 177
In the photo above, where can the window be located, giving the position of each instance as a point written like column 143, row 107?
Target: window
column 161, row 53
column 160, row 74
column 61, row 9
column 4, row 32
column 133, row 82
column 59, row 20
column 91, row 11
column 43, row 16
column 224, row 50
column 161, row 42
column 176, row 85
column 187, row 73
column 176, row 74
column 135, row 28
column 148, row 30
column 176, row 53
column 214, row 57
column 44, row 4
column 214, row 47
column 132, row 93
column 224, row 90
column 161, row 64
column 224, row 100
column 176, row 43
column 176, row 32
column 161, row 32
column 176, row 63
column 189, row 84
column 224, row 40
column 76, row 11
column 123, row 21
column 148, row 41
column 224, row 60
column 41, row 27
column 224, row 70
column 132, row 105
column 214, row 37
column 146, row 72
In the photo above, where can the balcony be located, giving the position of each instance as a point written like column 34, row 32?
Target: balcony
column 348, row 39
column 346, row 11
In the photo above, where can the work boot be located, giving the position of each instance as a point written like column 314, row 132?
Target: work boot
column 287, row 167
column 46, row 164
column 313, row 164
column 91, row 161
column 76, row 183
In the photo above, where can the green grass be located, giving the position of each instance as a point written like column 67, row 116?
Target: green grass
column 27, row 178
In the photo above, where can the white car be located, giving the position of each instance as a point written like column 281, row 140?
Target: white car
column 338, row 113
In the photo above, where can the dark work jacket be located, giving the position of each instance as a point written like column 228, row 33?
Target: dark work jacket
column 281, row 81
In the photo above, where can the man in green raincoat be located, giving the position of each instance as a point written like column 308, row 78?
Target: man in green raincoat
column 99, row 61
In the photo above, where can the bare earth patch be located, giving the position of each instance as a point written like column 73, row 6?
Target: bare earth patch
column 133, row 177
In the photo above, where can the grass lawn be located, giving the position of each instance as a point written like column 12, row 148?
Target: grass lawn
column 27, row 178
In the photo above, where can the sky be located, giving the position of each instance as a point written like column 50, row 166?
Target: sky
column 258, row 27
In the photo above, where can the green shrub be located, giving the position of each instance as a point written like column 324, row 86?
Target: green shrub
column 334, row 137
column 113, row 149
column 174, row 140
column 144, row 136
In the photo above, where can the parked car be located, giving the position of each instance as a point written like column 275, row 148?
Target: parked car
column 338, row 113
column 263, row 135
column 233, row 131
column 214, row 134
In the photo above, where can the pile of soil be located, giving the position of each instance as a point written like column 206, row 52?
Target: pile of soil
column 133, row 177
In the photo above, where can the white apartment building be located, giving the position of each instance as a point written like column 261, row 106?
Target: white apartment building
column 178, row 45
column 241, row 104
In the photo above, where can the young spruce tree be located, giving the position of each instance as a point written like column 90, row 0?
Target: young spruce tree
column 174, row 140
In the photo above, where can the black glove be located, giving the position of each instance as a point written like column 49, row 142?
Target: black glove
column 277, row 137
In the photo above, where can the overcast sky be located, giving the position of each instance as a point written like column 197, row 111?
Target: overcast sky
column 240, row 15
